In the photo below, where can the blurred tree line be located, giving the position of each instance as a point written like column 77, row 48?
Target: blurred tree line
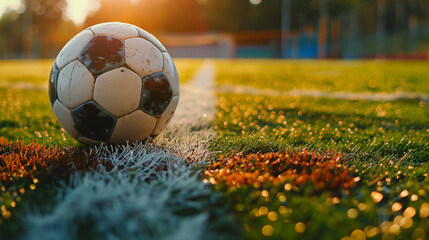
column 40, row 30
column 37, row 31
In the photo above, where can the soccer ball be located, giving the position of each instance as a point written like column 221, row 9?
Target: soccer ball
column 113, row 83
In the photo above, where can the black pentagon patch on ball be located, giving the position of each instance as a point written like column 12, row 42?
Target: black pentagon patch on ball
column 94, row 122
column 53, row 80
column 103, row 53
column 156, row 94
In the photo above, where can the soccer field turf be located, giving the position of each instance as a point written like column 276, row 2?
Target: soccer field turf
column 301, row 150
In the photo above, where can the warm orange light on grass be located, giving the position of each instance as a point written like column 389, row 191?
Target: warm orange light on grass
column 23, row 165
column 376, row 196
column 424, row 210
column 33, row 161
column 296, row 167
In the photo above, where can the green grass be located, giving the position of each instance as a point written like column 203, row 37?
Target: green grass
column 26, row 115
column 34, row 71
column 261, row 124
column 394, row 146
column 385, row 145
column 354, row 76
column 186, row 68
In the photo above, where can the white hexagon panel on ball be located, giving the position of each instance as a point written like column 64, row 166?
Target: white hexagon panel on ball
column 65, row 118
column 75, row 84
column 118, row 91
column 72, row 49
column 146, row 35
column 142, row 56
column 136, row 126
column 117, row 29
column 171, row 72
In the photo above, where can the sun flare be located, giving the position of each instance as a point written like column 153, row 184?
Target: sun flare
column 77, row 10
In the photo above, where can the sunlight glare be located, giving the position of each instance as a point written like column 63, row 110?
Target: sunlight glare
column 255, row 2
column 78, row 10
column 14, row 5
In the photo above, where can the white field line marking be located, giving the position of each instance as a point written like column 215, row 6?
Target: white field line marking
column 140, row 197
column 381, row 96
column 197, row 100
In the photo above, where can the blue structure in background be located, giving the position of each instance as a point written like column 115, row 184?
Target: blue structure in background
column 366, row 31
column 302, row 46
column 306, row 46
